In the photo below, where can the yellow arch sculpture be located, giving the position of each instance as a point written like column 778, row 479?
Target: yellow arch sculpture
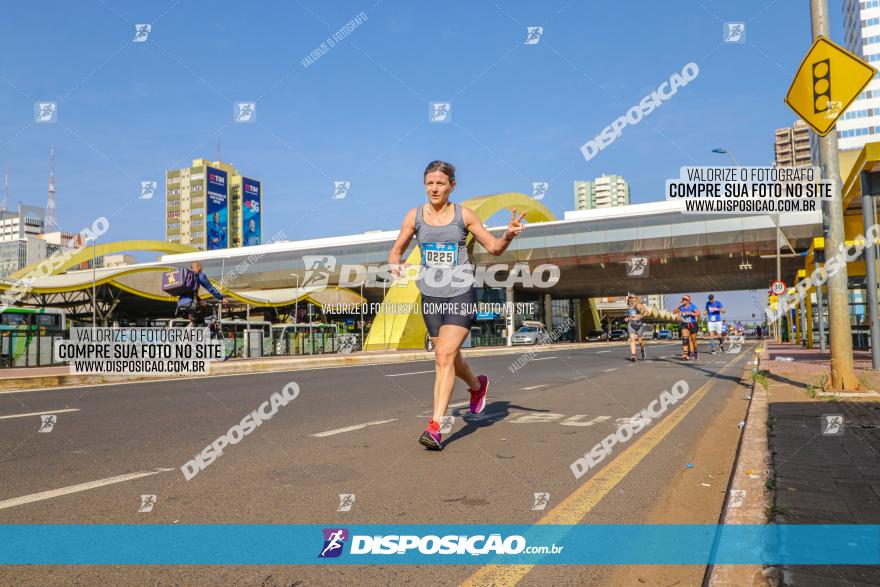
column 122, row 272
column 143, row 245
column 86, row 254
column 403, row 331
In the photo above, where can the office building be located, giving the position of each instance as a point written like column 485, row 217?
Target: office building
column 603, row 192
column 860, row 124
column 19, row 224
column 792, row 145
column 210, row 205
column 118, row 260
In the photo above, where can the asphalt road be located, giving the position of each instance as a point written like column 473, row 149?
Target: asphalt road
column 354, row 430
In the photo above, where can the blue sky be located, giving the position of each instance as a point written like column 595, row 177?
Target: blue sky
column 129, row 111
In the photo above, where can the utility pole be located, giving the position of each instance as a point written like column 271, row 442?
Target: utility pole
column 778, row 276
column 843, row 374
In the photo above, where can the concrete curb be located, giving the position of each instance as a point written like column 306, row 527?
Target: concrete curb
column 747, row 499
column 269, row 365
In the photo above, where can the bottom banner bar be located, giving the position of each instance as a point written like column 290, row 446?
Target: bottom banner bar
column 268, row 544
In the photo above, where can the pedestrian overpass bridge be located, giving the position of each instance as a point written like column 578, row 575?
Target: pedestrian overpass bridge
column 685, row 253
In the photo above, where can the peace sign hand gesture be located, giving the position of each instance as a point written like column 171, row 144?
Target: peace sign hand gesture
column 515, row 226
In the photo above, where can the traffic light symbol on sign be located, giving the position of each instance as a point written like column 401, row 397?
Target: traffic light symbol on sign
column 812, row 95
column 821, row 86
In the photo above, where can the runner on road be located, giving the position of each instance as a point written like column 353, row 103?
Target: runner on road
column 714, row 309
column 688, row 314
column 446, row 281
column 634, row 315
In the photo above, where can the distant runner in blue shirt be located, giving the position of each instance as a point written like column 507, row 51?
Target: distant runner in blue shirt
column 714, row 309
column 688, row 315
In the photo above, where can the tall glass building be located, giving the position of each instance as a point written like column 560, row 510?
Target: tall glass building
column 861, row 122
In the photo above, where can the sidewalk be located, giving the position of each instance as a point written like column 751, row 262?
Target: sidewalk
column 820, row 478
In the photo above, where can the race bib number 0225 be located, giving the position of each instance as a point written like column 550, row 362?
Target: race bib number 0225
column 441, row 255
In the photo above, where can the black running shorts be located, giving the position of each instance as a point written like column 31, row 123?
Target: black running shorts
column 458, row 311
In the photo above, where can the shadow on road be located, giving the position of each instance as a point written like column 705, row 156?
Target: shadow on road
column 695, row 365
column 494, row 412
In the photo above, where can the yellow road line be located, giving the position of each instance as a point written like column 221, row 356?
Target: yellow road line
column 583, row 499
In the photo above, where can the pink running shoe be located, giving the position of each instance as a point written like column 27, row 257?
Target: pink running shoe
column 430, row 438
column 478, row 396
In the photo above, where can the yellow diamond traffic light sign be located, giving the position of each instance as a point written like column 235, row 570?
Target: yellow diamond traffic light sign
column 826, row 83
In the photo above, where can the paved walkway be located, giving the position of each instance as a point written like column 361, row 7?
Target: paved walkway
column 825, row 455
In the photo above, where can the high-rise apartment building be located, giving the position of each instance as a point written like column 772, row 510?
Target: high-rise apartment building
column 603, row 192
column 210, row 205
column 860, row 124
column 792, row 145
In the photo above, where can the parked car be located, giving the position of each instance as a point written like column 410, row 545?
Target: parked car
column 618, row 335
column 531, row 332
column 647, row 332
column 597, row 335
column 665, row 334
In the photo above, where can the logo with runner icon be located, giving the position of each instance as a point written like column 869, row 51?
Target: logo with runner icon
column 334, row 542
column 832, row 425
column 540, row 502
column 147, row 503
column 47, row 422
column 346, row 500
column 637, row 267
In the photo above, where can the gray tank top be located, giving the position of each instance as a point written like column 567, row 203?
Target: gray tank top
column 446, row 269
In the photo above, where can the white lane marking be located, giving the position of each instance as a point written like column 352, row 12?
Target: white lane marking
column 543, row 358
column 597, row 352
column 534, row 387
column 39, row 413
column 351, row 428
column 16, row 501
column 410, row 373
column 609, row 370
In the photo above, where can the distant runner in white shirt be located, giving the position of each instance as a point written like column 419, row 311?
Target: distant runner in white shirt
column 714, row 309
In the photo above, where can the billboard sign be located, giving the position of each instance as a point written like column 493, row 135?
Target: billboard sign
column 251, row 218
column 217, row 209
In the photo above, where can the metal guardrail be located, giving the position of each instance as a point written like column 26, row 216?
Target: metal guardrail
column 19, row 348
column 22, row 348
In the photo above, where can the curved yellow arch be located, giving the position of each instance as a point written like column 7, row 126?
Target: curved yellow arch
column 87, row 253
column 114, row 281
column 407, row 330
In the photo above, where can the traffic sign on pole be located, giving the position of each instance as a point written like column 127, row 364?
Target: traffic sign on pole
column 778, row 288
column 828, row 80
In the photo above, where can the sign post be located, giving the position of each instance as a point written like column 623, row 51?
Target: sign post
column 827, row 82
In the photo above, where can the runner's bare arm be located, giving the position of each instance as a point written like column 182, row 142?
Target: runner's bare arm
column 407, row 231
column 493, row 245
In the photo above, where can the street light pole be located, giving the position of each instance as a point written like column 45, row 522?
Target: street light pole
column 725, row 151
column 843, row 374
column 778, row 275
column 777, row 327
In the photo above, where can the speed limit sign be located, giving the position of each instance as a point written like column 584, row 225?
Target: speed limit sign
column 777, row 288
